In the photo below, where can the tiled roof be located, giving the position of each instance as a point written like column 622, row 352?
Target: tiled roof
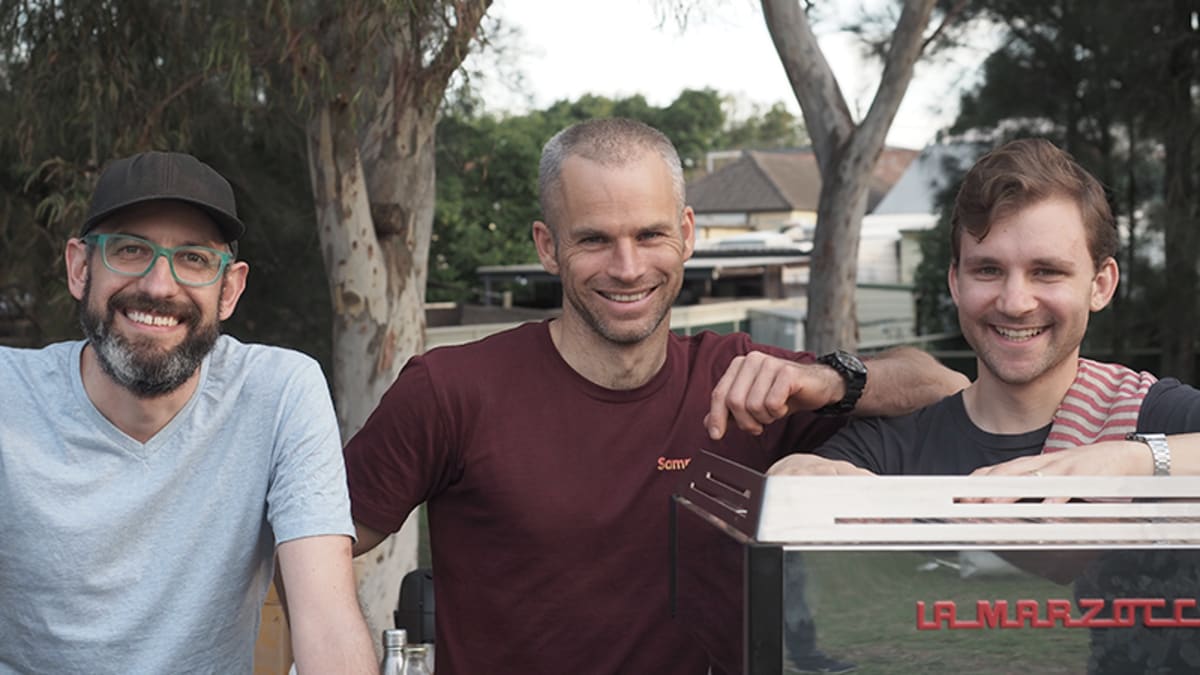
column 782, row 180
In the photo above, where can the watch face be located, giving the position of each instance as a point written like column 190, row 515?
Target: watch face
column 850, row 362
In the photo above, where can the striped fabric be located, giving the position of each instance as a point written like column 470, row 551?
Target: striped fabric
column 1101, row 405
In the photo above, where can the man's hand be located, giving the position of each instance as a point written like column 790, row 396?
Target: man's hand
column 804, row 464
column 758, row 389
column 1111, row 458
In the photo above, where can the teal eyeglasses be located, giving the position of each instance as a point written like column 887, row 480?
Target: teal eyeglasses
column 132, row 256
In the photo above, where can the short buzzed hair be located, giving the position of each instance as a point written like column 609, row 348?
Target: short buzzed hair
column 615, row 142
column 1021, row 173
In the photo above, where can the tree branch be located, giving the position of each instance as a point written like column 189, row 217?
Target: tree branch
column 948, row 19
column 897, row 73
column 156, row 112
column 826, row 115
column 468, row 15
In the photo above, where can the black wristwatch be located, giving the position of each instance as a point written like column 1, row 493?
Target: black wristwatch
column 853, row 372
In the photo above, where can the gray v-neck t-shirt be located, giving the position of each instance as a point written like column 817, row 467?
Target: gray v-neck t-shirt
column 118, row 556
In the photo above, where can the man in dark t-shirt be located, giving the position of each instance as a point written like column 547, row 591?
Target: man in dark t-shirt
column 547, row 453
column 941, row 439
column 1033, row 242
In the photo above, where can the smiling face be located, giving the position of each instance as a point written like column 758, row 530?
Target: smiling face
column 1025, row 291
column 150, row 333
column 619, row 244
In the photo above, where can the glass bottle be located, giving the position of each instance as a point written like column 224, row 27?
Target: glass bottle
column 415, row 660
column 394, row 642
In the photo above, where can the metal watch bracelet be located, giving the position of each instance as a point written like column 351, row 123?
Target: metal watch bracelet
column 1159, row 450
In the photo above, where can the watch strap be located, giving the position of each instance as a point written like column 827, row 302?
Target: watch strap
column 1160, row 451
column 855, row 379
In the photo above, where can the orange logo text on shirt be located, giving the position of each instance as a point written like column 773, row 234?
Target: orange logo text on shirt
column 673, row 464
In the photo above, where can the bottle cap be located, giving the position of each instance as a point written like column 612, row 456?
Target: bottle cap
column 395, row 637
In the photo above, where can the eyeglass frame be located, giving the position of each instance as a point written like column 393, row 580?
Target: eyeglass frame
column 97, row 239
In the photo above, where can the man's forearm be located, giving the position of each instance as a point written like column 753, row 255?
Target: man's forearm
column 1185, row 454
column 905, row 379
column 329, row 634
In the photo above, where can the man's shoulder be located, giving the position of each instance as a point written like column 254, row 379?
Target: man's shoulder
column 54, row 348
column 249, row 385
column 526, row 338
column 37, row 358
column 731, row 344
column 950, row 406
column 896, row 445
column 1171, row 386
column 1170, row 406
column 944, row 415
column 229, row 348
column 232, row 360
column 707, row 339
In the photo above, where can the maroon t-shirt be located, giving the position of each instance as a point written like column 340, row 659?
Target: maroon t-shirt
column 548, row 497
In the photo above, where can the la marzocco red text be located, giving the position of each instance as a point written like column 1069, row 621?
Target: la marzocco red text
column 1126, row 613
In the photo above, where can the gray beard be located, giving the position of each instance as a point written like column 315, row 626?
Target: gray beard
column 144, row 370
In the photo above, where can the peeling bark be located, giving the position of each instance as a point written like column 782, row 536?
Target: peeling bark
column 374, row 198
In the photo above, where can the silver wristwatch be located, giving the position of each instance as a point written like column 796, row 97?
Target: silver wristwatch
column 1159, row 450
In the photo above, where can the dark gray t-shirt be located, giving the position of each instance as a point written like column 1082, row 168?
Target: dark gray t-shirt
column 941, row 439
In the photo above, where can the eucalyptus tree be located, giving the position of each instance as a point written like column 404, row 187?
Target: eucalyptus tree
column 362, row 82
column 371, row 77
column 846, row 150
column 83, row 82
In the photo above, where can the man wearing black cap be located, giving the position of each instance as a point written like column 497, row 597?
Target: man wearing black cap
column 150, row 473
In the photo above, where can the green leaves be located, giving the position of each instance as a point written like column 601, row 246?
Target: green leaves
column 487, row 170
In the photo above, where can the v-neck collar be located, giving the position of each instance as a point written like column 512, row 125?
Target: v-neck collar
column 118, row 437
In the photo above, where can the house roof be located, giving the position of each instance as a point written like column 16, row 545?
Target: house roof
column 929, row 174
column 782, row 180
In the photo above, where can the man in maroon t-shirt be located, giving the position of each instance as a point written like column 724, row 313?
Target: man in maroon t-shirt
column 547, row 453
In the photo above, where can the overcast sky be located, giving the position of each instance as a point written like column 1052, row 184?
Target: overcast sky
column 618, row 48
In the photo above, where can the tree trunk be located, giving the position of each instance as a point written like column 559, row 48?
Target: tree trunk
column 375, row 243
column 831, row 322
column 846, row 154
column 1128, row 256
column 1180, row 237
column 375, row 199
column 374, row 195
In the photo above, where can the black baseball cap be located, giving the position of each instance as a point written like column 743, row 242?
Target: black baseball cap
column 151, row 176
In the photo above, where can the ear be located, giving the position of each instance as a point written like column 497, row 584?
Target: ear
column 688, row 225
column 547, row 248
column 77, row 267
column 952, row 281
column 233, row 284
column 1104, row 284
